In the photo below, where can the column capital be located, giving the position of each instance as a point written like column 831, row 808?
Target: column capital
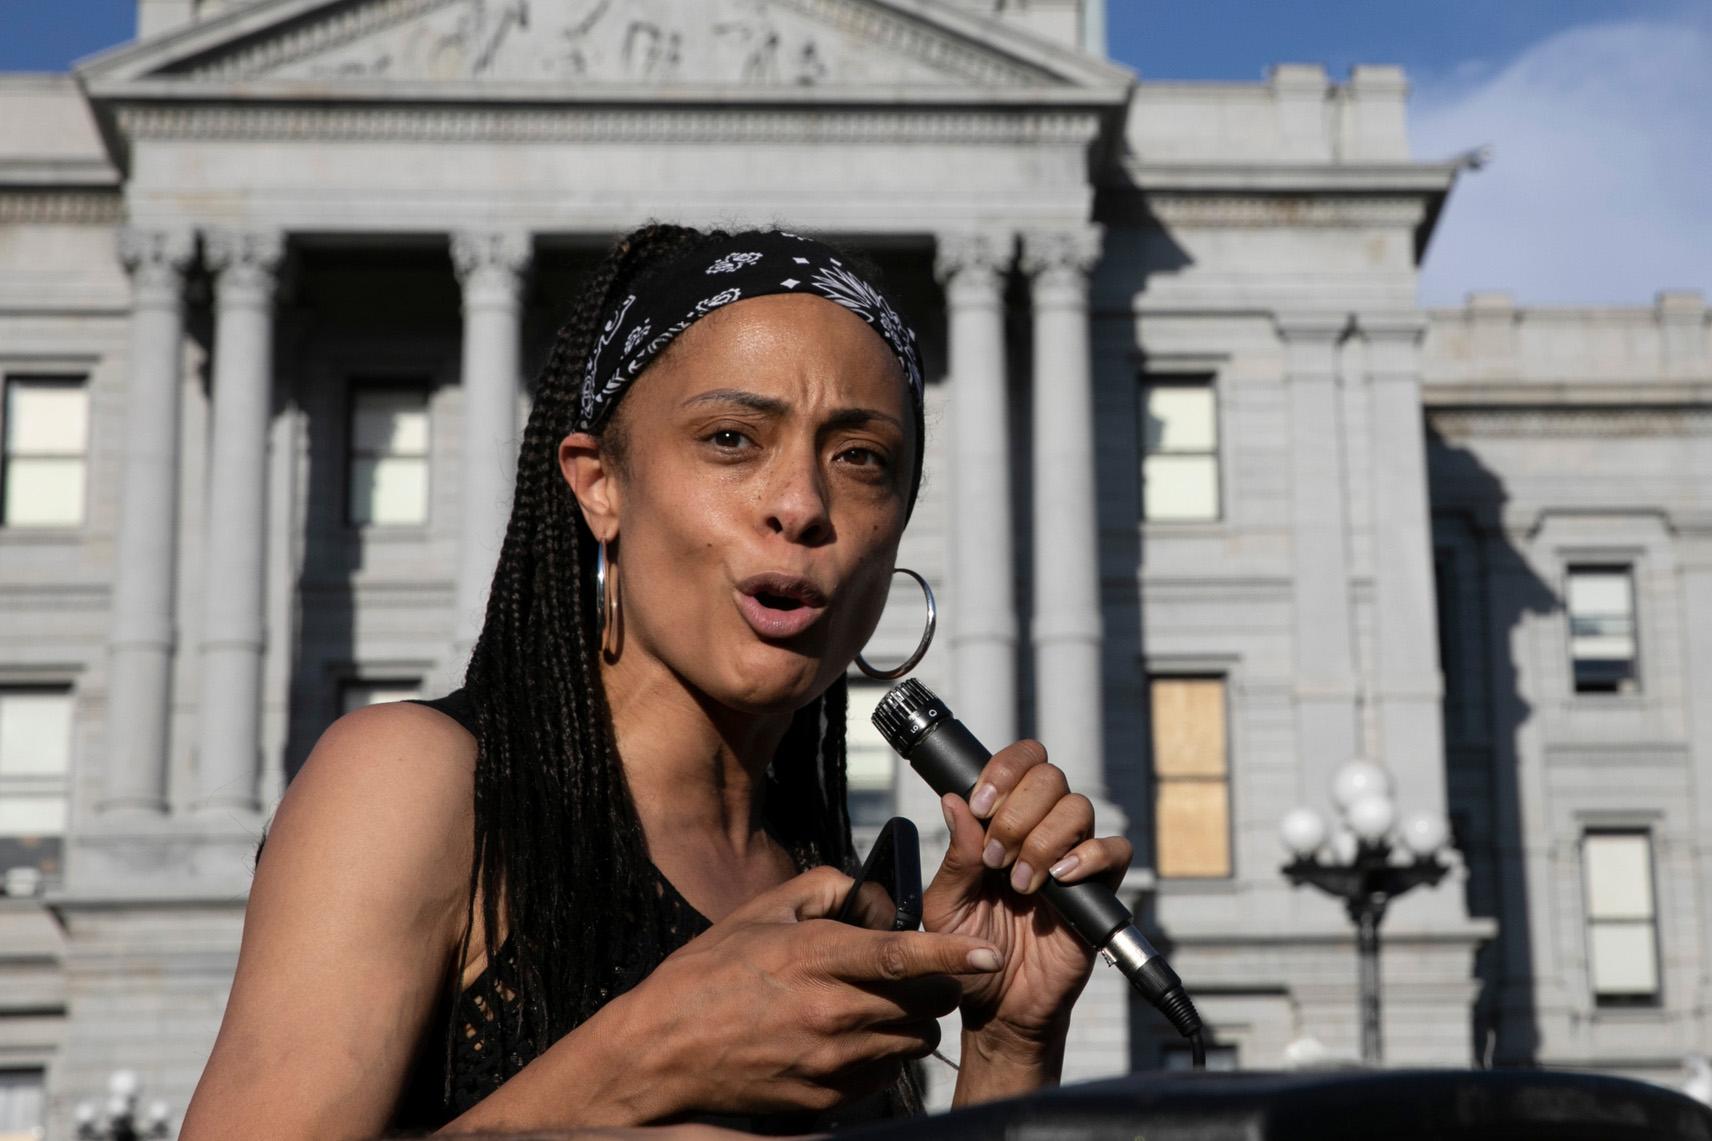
column 491, row 259
column 973, row 254
column 246, row 262
column 157, row 258
column 1066, row 250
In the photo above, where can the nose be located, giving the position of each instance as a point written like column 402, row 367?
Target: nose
column 796, row 506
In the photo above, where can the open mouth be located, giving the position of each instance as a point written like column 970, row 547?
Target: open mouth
column 779, row 605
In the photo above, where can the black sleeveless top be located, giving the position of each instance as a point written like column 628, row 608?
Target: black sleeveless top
column 477, row 1067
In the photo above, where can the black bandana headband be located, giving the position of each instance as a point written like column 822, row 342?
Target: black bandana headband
column 693, row 285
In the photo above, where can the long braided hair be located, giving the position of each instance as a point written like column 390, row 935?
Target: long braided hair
column 557, row 835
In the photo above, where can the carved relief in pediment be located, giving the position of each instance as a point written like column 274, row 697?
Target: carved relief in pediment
column 762, row 43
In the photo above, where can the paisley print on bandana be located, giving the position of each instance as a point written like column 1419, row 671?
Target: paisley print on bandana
column 670, row 300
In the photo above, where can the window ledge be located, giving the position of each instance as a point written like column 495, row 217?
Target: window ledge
column 43, row 536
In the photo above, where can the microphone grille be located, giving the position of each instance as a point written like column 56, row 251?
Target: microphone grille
column 906, row 711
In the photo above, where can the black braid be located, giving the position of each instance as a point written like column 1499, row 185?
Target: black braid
column 558, row 841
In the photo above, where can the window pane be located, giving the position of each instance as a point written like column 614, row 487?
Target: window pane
column 356, row 695
column 44, row 492
column 1192, row 828
column 869, row 761
column 389, row 492
column 1619, row 876
column 23, row 1102
column 1599, row 592
column 1624, row 959
column 390, row 421
column 22, row 815
column 47, row 416
column 1179, row 418
column 35, row 733
column 1189, row 726
column 1180, row 487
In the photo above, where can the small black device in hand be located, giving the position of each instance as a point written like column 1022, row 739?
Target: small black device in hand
column 887, row 892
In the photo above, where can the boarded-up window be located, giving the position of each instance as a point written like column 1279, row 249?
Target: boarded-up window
column 1622, row 921
column 1191, row 777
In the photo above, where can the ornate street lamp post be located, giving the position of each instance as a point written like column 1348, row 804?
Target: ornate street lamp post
column 1367, row 863
column 118, row 1120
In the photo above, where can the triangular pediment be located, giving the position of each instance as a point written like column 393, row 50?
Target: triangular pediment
column 577, row 45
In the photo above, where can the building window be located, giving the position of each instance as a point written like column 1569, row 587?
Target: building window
column 357, row 694
column 1180, row 451
column 23, row 1104
column 1622, row 920
column 35, row 767
column 388, row 461
column 1191, row 777
column 46, row 442
column 869, row 763
column 1602, row 629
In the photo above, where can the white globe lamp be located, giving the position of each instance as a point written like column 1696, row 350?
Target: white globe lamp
column 1371, row 818
column 1424, row 833
column 1303, row 831
column 1355, row 780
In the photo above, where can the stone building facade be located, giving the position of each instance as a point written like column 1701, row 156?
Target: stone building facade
column 1212, row 503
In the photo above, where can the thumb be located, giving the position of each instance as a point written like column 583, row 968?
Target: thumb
column 961, row 872
column 815, row 894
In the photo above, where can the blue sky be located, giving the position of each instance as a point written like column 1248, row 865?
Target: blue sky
column 1599, row 113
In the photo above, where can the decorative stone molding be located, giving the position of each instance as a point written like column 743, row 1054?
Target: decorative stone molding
column 642, row 124
column 246, row 262
column 1597, row 422
column 156, row 259
column 1062, row 253
column 565, row 41
column 1252, row 211
column 490, row 265
column 978, row 258
column 61, row 207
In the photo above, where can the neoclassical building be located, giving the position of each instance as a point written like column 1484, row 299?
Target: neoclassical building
column 1213, row 505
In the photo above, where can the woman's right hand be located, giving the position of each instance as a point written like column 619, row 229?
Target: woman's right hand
column 777, row 1007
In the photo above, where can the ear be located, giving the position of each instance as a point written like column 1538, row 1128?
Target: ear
column 589, row 474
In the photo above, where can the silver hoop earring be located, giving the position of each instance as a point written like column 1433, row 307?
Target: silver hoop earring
column 921, row 647
column 600, row 602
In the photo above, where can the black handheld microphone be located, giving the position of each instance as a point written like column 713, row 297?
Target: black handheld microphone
column 921, row 728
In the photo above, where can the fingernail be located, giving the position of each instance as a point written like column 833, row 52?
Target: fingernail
column 1021, row 875
column 1064, row 867
column 994, row 854
column 985, row 959
column 950, row 821
column 982, row 802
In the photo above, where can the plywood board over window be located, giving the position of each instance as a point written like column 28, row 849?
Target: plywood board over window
column 1191, row 777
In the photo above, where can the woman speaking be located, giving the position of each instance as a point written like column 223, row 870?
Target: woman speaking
column 592, row 886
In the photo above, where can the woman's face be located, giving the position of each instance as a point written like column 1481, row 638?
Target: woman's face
column 763, row 489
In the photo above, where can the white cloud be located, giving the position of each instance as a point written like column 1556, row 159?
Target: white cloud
column 1600, row 191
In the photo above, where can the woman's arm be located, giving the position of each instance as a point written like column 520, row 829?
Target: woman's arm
column 349, row 933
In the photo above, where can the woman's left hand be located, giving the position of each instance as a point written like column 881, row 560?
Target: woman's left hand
column 1021, row 822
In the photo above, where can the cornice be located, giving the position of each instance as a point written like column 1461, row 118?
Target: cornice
column 1406, row 178
column 1269, row 211
column 50, row 207
column 645, row 124
column 1652, row 421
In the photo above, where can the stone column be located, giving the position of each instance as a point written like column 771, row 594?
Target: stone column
column 490, row 266
column 1325, row 632
column 982, row 613
column 1067, row 629
column 1407, row 672
column 141, row 642
column 246, row 265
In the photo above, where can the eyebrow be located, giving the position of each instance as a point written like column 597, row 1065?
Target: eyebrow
column 772, row 406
